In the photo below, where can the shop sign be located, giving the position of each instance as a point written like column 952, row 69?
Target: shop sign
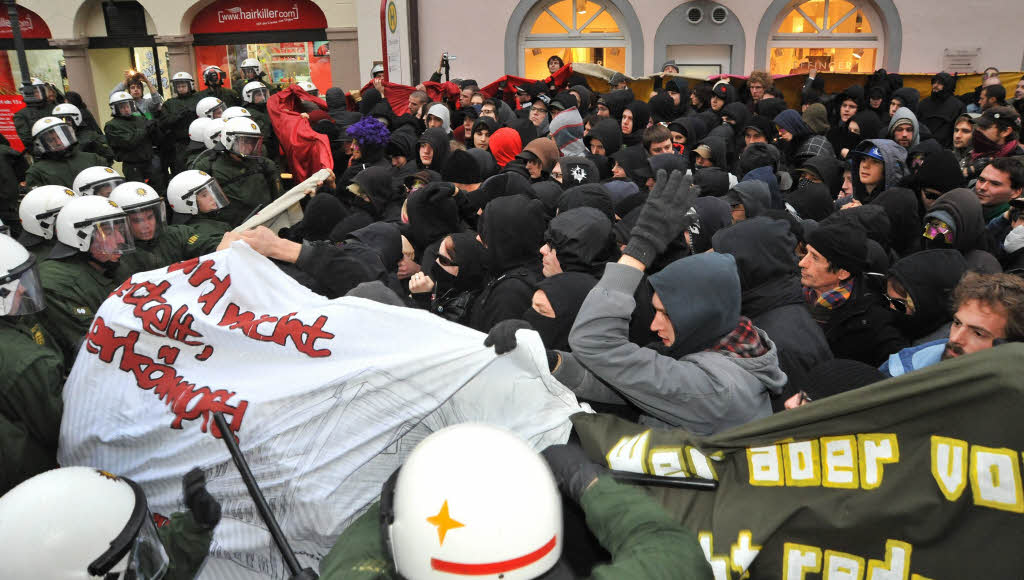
column 259, row 15
column 32, row 26
column 392, row 45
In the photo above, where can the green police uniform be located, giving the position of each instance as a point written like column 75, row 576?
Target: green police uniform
column 13, row 166
column 132, row 139
column 178, row 114
column 25, row 118
column 31, row 380
column 174, row 244
column 62, row 171
column 74, row 291
column 206, row 227
column 40, row 248
column 227, row 95
column 92, row 141
column 644, row 542
column 260, row 116
column 187, row 544
column 248, row 183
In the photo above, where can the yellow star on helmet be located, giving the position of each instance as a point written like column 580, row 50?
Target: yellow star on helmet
column 444, row 522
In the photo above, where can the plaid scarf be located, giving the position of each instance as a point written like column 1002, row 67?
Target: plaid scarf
column 742, row 342
column 832, row 299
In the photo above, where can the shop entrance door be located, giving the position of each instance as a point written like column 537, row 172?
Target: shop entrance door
column 701, row 60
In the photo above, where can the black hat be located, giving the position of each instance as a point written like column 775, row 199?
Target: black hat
column 713, row 181
column 562, row 101
column 1002, row 116
column 844, row 245
column 758, row 155
column 460, row 167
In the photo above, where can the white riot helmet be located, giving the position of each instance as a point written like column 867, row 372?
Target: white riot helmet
column 232, row 112
column 250, row 65
column 79, row 523
column 147, row 214
column 122, row 104
column 472, row 499
column 93, row 222
column 251, row 90
column 242, row 136
column 39, row 208
column 70, row 113
column 20, row 290
column 97, row 180
column 52, row 135
column 194, row 192
column 181, row 78
column 376, row 70
column 309, row 88
column 197, row 129
column 211, row 138
column 34, row 93
column 210, row 107
column 213, row 76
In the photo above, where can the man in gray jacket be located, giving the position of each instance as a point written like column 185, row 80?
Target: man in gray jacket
column 713, row 369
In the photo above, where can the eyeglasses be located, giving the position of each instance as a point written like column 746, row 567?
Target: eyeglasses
column 898, row 304
column 446, row 261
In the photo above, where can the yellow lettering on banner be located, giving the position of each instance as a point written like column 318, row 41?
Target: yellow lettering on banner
column 839, row 462
column 699, row 464
column 668, row 462
column 765, row 464
column 803, row 466
column 842, row 566
column 628, row 454
column 719, row 565
column 798, row 560
column 876, row 449
column 995, row 478
column 949, row 466
column 743, row 553
column 896, row 565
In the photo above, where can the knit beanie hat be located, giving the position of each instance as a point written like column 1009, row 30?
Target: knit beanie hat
column 844, row 245
column 460, row 167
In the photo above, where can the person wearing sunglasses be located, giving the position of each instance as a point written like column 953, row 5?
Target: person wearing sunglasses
column 918, row 290
column 988, row 311
column 955, row 222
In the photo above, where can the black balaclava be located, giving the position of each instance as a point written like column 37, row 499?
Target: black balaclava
column 566, row 293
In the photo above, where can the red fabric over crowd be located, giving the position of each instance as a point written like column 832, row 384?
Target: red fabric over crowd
column 306, row 150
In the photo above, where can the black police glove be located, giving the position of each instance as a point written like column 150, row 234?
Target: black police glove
column 663, row 216
column 572, row 469
column 503, row 335
column 205, row 509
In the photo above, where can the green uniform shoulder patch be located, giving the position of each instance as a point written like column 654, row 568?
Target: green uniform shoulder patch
column 193, row 239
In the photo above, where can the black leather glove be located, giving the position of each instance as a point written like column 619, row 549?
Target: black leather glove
column 437, row 191
column 205, row 509
column 573, row 470
column 503, row 335
column 663, row 216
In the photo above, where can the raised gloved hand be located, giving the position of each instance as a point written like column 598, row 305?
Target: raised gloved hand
column 503, row 335
column 663, row 216
column 437, row 191
column 573, row 470
column 205, row 509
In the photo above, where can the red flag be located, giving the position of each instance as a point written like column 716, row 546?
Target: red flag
column 306, row 150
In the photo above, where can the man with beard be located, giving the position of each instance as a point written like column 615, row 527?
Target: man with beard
column 940, row 111
column 995, row 135
column 989, row 310
column 962, row 132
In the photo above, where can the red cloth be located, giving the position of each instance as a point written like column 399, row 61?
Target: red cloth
column 558, row 79
column 505, row 144
column 306, row 150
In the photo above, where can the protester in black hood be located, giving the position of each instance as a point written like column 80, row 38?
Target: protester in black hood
column 904, row 97
column 700, row 97
column 631, row 164
column 593, row 195
column 797, row 142
column 321, row 214
column 721, row 95
column 578, row 171
column 662, row 108
column 432, row 214
column 608, row 136
column 769, row 108
column 877, row 98
column 822, row 169
column 634, row 118
column 371, row 98
column 437, row 141
column 707, row 216
column 686, row 133
column 710, row 152
column 578, row 240
column 373, row 192
column 937, row 174
column 585, row 98
column 337, row 107
column 758, row 129
column 459, row 273
column 919, row 291
column 738, row 116
column 863, row 125
column 955, row 221
column 386, row 239
column 846, row 105
column 940, row 111
column 555, row 304
column 485, row 127
column 748, row 199
column 812, row 201
column 900, row 204
column 403, row 151
column 512, row 229
column 771, row 293
column 615, row 102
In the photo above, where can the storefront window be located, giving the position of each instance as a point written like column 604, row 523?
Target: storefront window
column 827, row 35
column 284, row 63
column 576, row 31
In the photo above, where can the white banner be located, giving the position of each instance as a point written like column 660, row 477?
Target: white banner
column 326, row 398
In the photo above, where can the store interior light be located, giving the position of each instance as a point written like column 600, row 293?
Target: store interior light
column 857, row 54
column 582, row 7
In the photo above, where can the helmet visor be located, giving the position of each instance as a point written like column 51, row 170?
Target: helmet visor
column 216, row 112
column 182, row 84
column 33, row 93
column 124, row 108
column 21, row 291
column 112, row 236
column 259, row 95
column 248, row 145
column 147, row 221
column 55, row 139
column 208, row 197
column 104, row 187
column 148, row 560
column 69, row 119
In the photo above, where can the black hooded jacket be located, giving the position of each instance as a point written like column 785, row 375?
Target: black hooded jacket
column 939, row 112
column 566, row 293
column 969, row 233
column 512, row 228
column 583, row 241
column 437, row 138
column 431, row 218
column 453, row 296
column 929, row 278
column 772, row 296
column 609, row 133
column 641, row 114
column 901, row 206
column 616, row 102
column 377, row 183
